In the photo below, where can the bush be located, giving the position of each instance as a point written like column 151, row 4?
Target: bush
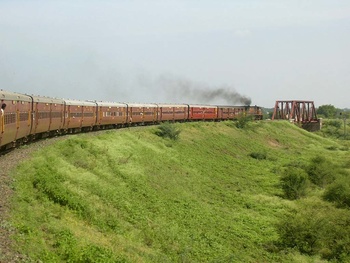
column 302, row 231
column 167, row 130
column 258, row 155
column 321, row 171
column 242, row 121
column 294, row 183
column 339, row 192
column 334, row 123
column 323, row 231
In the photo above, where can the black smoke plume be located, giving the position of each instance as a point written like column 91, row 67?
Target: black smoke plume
column 202, row 93
column 225, row 93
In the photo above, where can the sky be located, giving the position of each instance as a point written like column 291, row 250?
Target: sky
column 178, row 51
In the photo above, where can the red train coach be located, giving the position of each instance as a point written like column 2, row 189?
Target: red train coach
column 79, row 115
column 203, row 112
column 15, row 119
column 142, row 113
column 231, row 112
column 172, row 112
column 111, row 114
column 47, row 116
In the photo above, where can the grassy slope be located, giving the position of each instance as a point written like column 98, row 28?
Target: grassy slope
column 131, row 196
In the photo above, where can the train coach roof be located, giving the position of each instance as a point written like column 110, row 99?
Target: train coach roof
column 47, row 100
column 7, row 95
column 202, row 106
column 139, row 105
column 230, row 106
column 173, row 105
column 110, row 104
column 79, row 103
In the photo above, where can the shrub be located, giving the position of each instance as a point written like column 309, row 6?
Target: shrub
column 168, row 130
column 294, row 183
column 321, row 171
column 242, row 121
column 302, row 230
column 339, row 192
column 334, row 123
column 258, row 155
column 311, row 230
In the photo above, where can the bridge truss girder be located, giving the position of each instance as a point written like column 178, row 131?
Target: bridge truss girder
column 295, row 110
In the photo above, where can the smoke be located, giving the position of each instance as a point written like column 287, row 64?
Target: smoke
column 201, row 93
column 227, row 94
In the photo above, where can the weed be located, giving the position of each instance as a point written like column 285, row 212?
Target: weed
column 321, row 171
column 258, row 155
column 294, row 183
column 339, row 192
column 242, row 121
column 168, row 130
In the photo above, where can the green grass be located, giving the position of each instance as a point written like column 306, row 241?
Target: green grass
column 131, row 196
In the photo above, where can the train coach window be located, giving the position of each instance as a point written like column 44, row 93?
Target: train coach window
column 23, row 116
column 56, row 114
column 116, row 114
column 10, row 118
column 75, row 114
column 88, row 114
column 43, row 115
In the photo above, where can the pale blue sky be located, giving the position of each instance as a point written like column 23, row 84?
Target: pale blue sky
column 166, row 51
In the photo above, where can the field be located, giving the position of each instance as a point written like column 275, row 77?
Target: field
column 216, row 194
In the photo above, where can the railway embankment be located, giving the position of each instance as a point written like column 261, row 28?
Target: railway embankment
column 259, row 192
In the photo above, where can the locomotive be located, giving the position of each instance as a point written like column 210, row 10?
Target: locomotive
column 26, row 118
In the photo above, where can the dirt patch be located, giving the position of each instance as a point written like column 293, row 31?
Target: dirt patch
column 274, row 143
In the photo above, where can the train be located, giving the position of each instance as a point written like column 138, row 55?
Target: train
column 26, row 118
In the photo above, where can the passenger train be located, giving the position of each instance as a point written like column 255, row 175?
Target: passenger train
column 26, row 118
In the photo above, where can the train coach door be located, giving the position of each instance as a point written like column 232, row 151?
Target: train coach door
column 67, row 116
column 2, row 125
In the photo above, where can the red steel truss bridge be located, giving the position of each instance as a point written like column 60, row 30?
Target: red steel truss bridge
column 297, row 111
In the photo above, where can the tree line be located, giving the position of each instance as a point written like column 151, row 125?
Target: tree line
column 331, row 112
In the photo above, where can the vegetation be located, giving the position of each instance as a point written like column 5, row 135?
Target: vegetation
column 168, row 130
column 336, row 123
column 327, row 111
column 266, row 192
column 243, row 120
column 339, row 192
column 317, row 229
column 294, row 183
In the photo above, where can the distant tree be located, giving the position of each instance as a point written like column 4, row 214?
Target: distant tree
column 344, row 114
column 328, row 111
